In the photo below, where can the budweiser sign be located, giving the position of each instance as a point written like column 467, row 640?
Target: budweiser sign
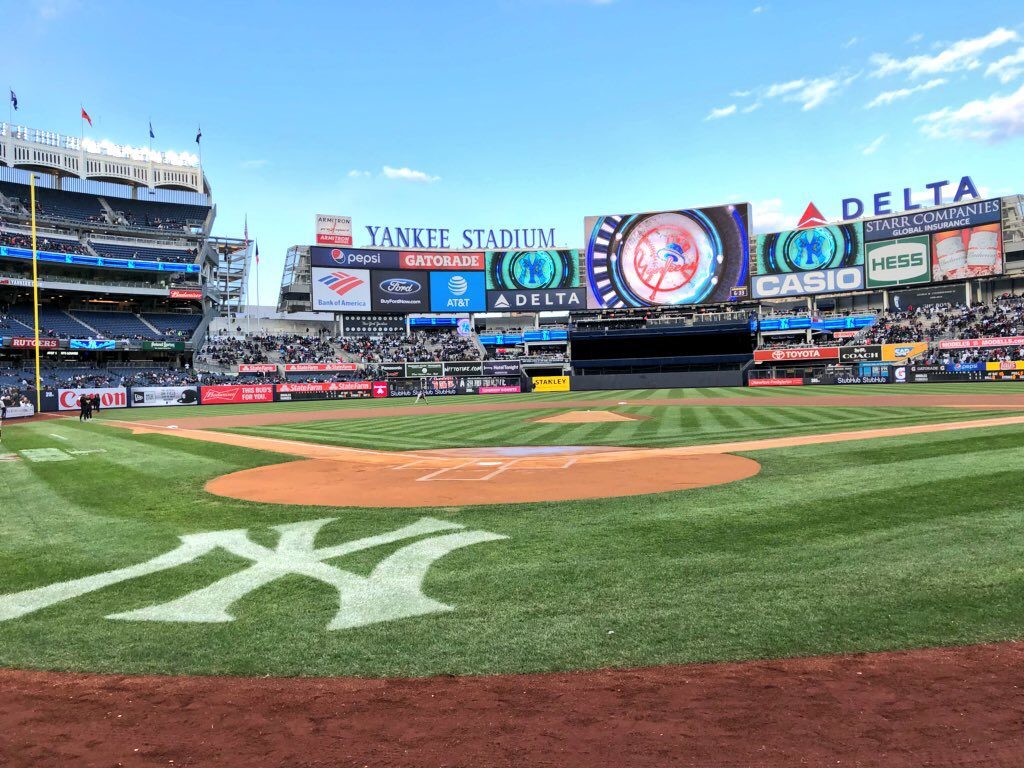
column 21, row 343
column 320, row 367
column 795, row 353
column 994, row 341
column 186, row 294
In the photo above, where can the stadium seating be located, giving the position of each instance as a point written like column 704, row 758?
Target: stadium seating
column 116, row 325
column 56, row 204
column 173, row 324
column 163, row 216
column 134, row 251
column 52, row 322
column 44, row 242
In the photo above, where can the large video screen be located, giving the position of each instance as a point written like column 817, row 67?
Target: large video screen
column 827, row 259
column 695, row 256
column 532, row 270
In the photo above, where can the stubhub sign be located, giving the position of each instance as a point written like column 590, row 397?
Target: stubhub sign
column 457, row 292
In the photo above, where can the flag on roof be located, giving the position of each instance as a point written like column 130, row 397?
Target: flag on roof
column 14, row 99
column 85, row 116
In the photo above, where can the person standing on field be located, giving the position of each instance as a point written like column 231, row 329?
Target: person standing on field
column 83, row 405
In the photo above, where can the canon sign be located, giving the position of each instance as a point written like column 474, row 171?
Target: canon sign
column 110, row 397
column 800, row 283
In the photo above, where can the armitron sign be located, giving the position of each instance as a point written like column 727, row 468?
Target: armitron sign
column 333, row 230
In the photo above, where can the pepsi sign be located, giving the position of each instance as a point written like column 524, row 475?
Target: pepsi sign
column 366, row 258
column 400, row 291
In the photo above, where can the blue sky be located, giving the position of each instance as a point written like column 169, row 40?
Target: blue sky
column 533, row 113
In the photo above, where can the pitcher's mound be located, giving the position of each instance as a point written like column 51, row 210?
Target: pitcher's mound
column 584, row 417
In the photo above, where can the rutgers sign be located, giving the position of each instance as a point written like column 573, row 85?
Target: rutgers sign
column 22, row 343
column 110, row 397
column 795, row 354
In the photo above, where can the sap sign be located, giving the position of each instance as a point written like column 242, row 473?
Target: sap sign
column 883, row 204
column 801, row 283
column 457, row 292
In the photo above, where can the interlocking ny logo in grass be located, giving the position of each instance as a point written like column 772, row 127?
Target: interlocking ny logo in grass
column 393, row 590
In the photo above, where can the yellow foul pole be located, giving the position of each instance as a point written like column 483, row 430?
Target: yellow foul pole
column 35, row 289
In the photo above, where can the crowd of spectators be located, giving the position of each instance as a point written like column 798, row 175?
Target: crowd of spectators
column 19, row 240
column 1003, row 317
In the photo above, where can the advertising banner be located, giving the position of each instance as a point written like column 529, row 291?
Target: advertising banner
column 463, row 369
column 323, row 390
column 795, row 354
column 923, row 222
column 501, row 368
column 23, row 343
column 541, row 300
column 444, row 260
column 992, row 341
column 354, row 258
column 844, row 334
column 782, row 382
column 457, row 292
column 424, row 369
column 921, row 374
column 439, row 385
column 859, row 353
column 1005, row 365
column 695, row 256
column 881, row 377
column 21, row 411
column 968, row 252
column 185, row 294
column 550, row 383
column 341, row 290
column 400, row 291
column 904, row 301
column 827, row 259
column 222, row 394
column 257, row 368
column 380, row 389
column 392, row 370
column 320, row 367
column 333, row 230
column 501, row 389
column 92, row 344
column 532, row 270
column 147, row 397
column 905, row 261
column 164, row 346
column 892, row 353
column 374, row 324
column 110, row 397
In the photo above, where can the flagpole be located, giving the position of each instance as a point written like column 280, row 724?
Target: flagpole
column 35, row 289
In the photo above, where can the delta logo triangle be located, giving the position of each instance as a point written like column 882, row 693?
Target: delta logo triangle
column 812, row 218
column 502, row 302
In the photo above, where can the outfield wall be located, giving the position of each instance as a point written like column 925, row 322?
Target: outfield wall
column 679, row 380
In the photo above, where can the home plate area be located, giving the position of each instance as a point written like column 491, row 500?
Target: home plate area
column 459, row 477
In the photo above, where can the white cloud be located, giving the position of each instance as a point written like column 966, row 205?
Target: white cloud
column 769, row 216
column 961, row 55
column 917, row 37
column 851, row 42
column 808, row 93
column 871, row 148
column 759, row 9
column 720, row 112
column 250, row 164
column 48, row 10
column 1008, row 67
column 408, row 174
column 357, row 174
column 888, row 97
column 993, row 119
column 751, row 107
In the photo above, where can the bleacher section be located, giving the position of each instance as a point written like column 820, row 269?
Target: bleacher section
column 116, row 325
column 164, row 322
column 43, row 243
column 55, row 204
column 52, row 322
column 150, row 215
column 132, row 251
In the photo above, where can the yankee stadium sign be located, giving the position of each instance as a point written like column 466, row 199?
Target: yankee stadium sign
column 441, row 238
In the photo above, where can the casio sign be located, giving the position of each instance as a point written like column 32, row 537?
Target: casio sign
column 400, row 286
column 799, row 283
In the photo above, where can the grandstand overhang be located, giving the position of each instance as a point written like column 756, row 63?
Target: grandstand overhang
column 64, row 156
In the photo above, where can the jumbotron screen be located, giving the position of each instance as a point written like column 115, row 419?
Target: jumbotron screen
column 694, row 256
column 532, row 270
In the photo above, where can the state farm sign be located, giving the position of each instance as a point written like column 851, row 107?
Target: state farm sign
column 110, row 397
column 320, row 367
column 795, row 354
column 257, row 368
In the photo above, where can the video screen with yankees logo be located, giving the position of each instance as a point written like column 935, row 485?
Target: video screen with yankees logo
column 693, row 256
column 532, row 270
column 826, row 259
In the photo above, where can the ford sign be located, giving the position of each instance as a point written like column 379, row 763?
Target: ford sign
column 400, row 286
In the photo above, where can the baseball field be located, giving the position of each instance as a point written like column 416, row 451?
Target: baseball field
column 709, row 577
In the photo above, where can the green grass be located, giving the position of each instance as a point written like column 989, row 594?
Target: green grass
column 860, row 546
column 656, row 426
